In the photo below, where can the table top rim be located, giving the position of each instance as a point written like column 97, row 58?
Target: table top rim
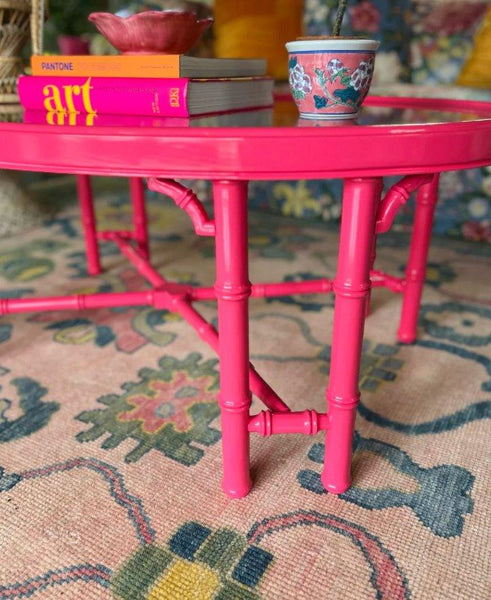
column 255, row 153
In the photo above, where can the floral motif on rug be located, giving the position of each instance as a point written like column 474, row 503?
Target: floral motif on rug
column 36, row 413
column 438, row 496
column 168, row 410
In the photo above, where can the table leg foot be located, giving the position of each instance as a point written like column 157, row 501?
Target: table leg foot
column 336, row 475
column 236, row 482
column 426, row 200
column 407, row 338
column 236, row 494
column 352, row 289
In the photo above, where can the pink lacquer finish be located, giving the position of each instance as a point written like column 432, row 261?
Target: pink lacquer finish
column 151, row 31
column 89, row 225
column 426, row 200
column 230, row 157
column 137, row 189
column 186, row 200
column 233, row 289
column 258, row 153
column 351, row 288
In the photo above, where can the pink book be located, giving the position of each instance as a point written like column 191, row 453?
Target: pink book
column 132, row 96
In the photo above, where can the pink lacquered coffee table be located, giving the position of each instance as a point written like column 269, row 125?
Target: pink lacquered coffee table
column 415, row 139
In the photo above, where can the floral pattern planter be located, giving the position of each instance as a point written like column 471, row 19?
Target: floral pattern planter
column 330, row 78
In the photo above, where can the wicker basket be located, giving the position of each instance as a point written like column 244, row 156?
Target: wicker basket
column 18, row 19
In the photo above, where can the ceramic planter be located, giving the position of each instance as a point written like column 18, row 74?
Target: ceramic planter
column 330, row 77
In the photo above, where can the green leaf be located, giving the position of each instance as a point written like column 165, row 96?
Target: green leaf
column 321, row 77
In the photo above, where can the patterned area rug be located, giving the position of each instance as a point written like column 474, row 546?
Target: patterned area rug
column 110, row 440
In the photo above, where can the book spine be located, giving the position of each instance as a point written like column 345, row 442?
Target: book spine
column 138, row 66
column 98, row 95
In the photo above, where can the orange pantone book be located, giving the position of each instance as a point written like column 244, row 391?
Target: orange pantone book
column 145, row 65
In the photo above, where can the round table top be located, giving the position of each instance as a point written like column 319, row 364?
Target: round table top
column 391, row 136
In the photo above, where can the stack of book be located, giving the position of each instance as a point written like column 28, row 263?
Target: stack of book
column 130, row 89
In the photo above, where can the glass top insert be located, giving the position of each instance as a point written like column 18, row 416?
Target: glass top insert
column 284, row 114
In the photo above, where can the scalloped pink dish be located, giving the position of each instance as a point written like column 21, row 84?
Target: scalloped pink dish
column 152, row 31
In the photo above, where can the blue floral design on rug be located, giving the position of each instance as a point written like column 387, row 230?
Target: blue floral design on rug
column 440, row 502
column 36, row 413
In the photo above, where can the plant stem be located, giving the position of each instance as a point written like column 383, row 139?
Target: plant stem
column 339, row 17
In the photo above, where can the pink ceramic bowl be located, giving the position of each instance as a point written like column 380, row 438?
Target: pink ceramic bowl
column 151, row 31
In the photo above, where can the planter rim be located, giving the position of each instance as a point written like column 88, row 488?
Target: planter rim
column 332, row 44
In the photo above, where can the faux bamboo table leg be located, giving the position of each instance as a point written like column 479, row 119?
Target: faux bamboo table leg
column 137, row 190
column 426, row 200
column 233, row 290
column 351, row 287
column 86, row 202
